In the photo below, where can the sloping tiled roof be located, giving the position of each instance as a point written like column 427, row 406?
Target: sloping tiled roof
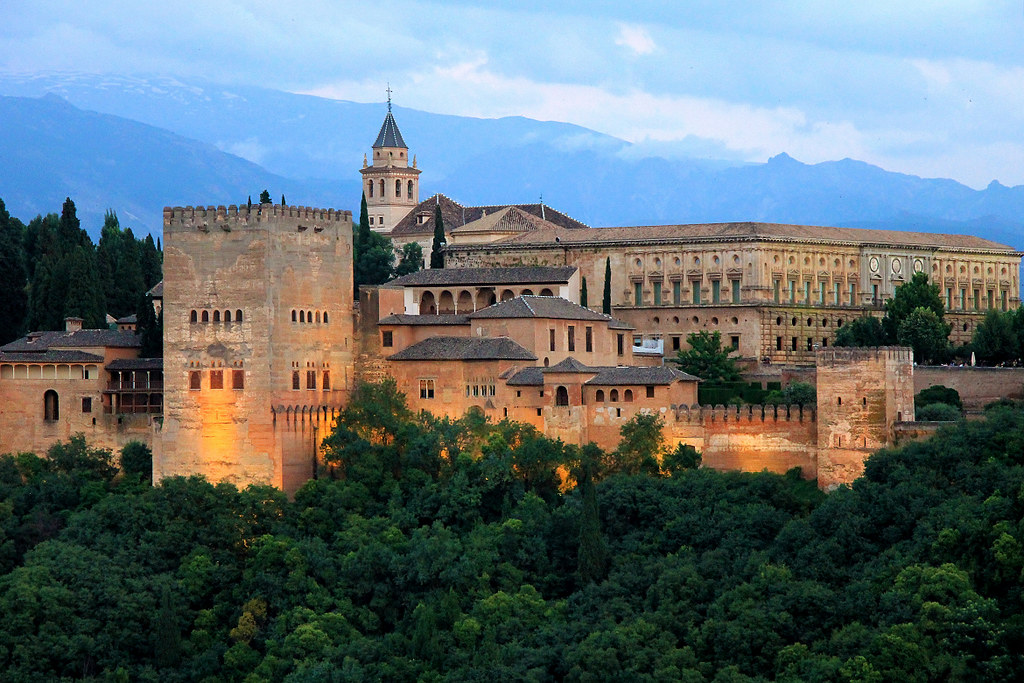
column 538, row 307
column 157, row 292
column 42, row 341
column 508, row 220
column 406, row 319
column 517, row 275
column 570, row 365
column 49, row 357
column 128, row 319
column 638, row 375
column 527, row 377
column 136, row 364
column 464, row 348
column 456, row 215
column 749, row 231
column 619, row 325
column 389, row 135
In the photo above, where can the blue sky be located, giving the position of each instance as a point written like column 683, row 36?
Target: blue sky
column 930, row 88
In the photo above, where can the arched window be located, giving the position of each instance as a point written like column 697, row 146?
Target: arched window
column 227, row 316
column 382, row 188
column 295, row 315
column 325, row 317
column 318, row 316
column 371, row 188
column 206, row 316
column 51, row 406
column 302, row 316
column 193, row 317
column 327, row 380
column 615, row 395
column 599, row 396
column 238, row 315
column 628, row 396
column 216, row 316
column 398, row 189
column 561, row 396
column 309, row 316
column 546, row 292
column 410, row 189
column 527, row 292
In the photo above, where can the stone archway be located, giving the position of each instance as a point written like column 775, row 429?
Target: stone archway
column 427, row 304
column 446, row 304
column 465, row 302
column 506, row 294
column 484, row 298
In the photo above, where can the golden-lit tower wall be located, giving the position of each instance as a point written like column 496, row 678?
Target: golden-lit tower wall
column 257, row 340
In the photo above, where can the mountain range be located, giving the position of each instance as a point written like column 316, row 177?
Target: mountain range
column 136, row 145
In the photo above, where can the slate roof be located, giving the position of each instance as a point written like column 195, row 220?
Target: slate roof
column 569, row 365
column 539, row 307
column 426, row 319
column 508, row 220
column 527, row 377
column 128, row 319
column 157, row 292
column 49, row 357
column 456, row 215
column 638, row 375
column 464, row 348
column 42, row 341
column 749, row 231
column 389, row 135
column 516, row 275
column 136, row 364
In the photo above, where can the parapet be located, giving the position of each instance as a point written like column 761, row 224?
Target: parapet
column 229, row 217
column 844, row 355
column 745, row 414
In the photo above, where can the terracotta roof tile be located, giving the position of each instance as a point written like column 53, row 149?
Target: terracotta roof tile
column 464, row 348
column 456, row 215
column 406, row 319
column 539, row 307
column 526, row 275
column 41, row 341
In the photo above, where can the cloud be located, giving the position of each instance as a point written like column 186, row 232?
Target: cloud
column 636, row 39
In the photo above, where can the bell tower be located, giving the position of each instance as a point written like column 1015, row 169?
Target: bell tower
column 391, row 185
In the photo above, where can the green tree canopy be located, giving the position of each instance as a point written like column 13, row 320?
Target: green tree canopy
column 864, row 331
column 995, row 338
column 927, row 334
column 265, row 197
column 412, row 259
column 795, row 393
column 917, row 293
column 707, row 359
column 13, row 277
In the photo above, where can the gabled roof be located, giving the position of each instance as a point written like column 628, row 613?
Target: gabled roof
column 527, row 377
column 539, row 307
column 464, row 348
column 43, row 341
column 128, row 319
column 507, row 220
column 518, row 275
column 157, row 292
column 570, row 365
column 427, row 319
column 389, row 135
column 456, row 215
column 635, row 375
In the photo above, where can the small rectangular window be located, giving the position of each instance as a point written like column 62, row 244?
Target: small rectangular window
column 638, row 294
column 426, row 388
column 807, row 293
column 371, row 220
column 657, row 292
column 295, row 380
column 837, row 300
column 735, row 291
column 853, row 294
column 778, row 343
column 551, row 340
column 821, row 293
column 794, row 343
column 776, row 289
column 216, row 379
column 87, row 404
column 238, row 379
column 538, row 412
column 311, row 379
column 650, row 392
column 194, row 380
column 676, row 292
column 963, row 299
column 675, row 343
column 590, row 337
column 572, row 337
column 620, row 344
column 792, row 291
column 810, row 344
column 735, row 341
column 387, row 338
column 716, row 292
column 991, row 299
column 696, row 291
column 327, row 380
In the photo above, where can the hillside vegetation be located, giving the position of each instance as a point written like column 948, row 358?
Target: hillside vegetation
column 451, row 551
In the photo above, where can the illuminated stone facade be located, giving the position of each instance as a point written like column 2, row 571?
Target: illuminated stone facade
column 258, row 340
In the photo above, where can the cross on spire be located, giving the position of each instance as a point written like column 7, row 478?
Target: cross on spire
column 389, row 96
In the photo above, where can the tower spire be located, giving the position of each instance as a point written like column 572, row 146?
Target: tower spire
column 389, row 97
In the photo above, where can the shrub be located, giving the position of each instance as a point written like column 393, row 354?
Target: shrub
column 938, row 412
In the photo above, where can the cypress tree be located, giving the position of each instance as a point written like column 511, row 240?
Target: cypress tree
column 436, row 256
column 149, row 327
column 13, row 280
column 606, row 303
column 283, row 202
column 583, row 293
column 592, row 560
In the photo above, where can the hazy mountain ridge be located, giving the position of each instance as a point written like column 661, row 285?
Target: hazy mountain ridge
column 218, row 144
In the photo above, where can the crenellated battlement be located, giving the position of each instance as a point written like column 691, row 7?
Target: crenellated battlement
column 705, row 414
column 843, row 355
column 227, row 217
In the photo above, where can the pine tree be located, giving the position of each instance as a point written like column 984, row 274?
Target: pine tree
column 265, row 197
column 606, row 302
column 436, row 255
column 583, row 293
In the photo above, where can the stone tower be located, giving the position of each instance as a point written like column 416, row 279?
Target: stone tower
column 862, row 394
column 257, row 340
column 391, row 185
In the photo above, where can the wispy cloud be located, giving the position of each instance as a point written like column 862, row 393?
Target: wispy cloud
column 635, row 38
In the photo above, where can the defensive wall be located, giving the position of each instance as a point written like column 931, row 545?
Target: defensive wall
column 976, row 386
column 258, row 340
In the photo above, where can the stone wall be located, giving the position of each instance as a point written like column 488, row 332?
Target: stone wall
column 977, row 386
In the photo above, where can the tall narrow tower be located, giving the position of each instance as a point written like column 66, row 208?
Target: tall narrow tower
column 391, row 185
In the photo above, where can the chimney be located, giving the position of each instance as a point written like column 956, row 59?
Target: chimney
column 72, row 324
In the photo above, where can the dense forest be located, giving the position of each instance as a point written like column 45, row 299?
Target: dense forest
column 50, row 269
column 433, row 550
